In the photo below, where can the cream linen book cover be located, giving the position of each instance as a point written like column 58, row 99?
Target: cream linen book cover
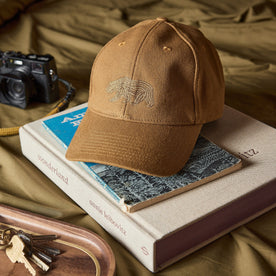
column 169, row 230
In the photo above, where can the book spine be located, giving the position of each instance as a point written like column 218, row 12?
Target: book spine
column 131, row 234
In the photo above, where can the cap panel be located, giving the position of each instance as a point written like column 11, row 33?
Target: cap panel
column 209, row 82
column 115, row 61
column 167, row 63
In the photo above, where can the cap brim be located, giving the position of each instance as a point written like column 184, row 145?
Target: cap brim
column 154, row 149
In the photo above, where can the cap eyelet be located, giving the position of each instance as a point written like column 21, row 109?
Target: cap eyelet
column 122, row 43
column 167, row 49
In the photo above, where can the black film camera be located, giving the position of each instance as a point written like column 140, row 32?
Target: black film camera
column 25, row 78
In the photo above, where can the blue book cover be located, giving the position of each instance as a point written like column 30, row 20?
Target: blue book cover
column 135, row 190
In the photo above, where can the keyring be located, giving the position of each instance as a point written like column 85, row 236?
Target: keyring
column 5, row 237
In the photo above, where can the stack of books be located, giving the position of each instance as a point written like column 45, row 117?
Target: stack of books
column 228, row 180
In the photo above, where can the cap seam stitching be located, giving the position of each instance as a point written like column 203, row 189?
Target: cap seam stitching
column 136, row 58
column 196, row 79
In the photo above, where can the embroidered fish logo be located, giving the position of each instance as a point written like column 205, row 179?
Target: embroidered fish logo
column 133, row 91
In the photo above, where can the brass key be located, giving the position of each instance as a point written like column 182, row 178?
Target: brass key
column 16, row 254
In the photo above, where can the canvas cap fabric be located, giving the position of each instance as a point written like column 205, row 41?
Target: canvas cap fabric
column 152, row 88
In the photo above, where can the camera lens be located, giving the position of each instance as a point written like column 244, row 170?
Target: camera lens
column 16, row 90
column 17, row 87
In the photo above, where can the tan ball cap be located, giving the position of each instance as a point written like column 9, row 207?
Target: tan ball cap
column 152, row 88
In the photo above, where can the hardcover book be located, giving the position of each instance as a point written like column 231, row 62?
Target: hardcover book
column 165, row 232
column 133, row 190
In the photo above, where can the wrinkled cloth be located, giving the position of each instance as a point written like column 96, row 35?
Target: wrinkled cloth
column 244, row 33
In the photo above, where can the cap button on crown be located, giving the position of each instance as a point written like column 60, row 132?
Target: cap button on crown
column 162, row 18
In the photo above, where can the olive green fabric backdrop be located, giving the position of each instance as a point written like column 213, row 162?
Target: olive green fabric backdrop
column 244, row 32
